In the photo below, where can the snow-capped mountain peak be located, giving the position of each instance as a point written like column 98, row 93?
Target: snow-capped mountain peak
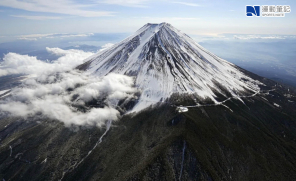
column 164, row 61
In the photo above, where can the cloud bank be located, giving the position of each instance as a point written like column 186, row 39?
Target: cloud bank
column 14, row 63
column 58, row 92
column 36, row 17
column 249, row 37
column 35, row 37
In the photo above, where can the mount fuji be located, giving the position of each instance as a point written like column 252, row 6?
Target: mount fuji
column 194, row 116
column 165, row 61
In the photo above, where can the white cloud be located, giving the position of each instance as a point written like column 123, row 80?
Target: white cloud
column 14, row 63
column 165, row 19
column 37, row 35
column 50, row 97
column 106, row 46
column 187, row 4
column 76, row 35
column 23, row 64
column 29, row 39
column 36, row 17
column 52, row 35
column 249, row 37
column 58, row 92
column 129, row 3
column 33, row 37
column 67, row 7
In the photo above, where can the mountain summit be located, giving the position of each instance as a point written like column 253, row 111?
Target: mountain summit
column 164, row 61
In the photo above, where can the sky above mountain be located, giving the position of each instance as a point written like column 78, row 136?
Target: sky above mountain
column 114, row 16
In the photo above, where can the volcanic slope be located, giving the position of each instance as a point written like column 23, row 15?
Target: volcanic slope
column 165, row 61
column 239, row 126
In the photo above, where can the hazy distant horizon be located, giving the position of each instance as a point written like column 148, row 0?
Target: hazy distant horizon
column 259, row 54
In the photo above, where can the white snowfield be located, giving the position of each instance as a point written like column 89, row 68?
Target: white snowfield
column 164, row 61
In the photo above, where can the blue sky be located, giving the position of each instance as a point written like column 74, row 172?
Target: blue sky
column 117, row 16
